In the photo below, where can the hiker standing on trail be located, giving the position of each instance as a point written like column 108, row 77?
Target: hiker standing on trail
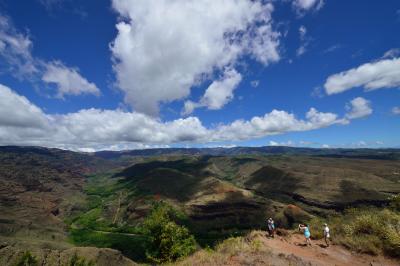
column 271, row 227
column 326, row 234
column 307, row 234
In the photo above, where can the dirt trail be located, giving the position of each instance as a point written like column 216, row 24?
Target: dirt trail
column 318, row 254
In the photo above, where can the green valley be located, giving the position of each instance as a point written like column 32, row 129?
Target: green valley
column 53, row 199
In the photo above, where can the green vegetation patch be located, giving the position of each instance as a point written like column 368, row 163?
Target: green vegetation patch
column 167, row 241
column 367, row 230
column 27, row 259
column 79, row 261
column 130, row 245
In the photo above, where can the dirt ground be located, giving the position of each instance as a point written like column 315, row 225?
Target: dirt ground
column 319, row 254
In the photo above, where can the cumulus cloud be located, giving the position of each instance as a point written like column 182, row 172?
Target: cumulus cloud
column 16, row 52
column 68, row 80
column 165, row 47
column 219, row 93
column 358, row 108
column 302, row 6
column 396, row 110
column 102, row 129
column 273, row 123
column 17, row 111
column 371, row 76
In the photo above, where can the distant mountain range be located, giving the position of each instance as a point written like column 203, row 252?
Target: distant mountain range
column 372, row 153
column 385, row 154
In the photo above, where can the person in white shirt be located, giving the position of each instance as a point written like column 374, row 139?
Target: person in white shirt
column 271, row 227
column 326, row 234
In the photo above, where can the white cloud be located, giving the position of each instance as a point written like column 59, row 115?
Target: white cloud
column 361, row 143
column 358, row 108
column 16, row 52
column 304, row 41
column 332, row 48
column 102, row 129
column 372, row 76
column 219, row 93
column 68, row 80
column 17, row 111
column 163, row 48
column 273, row 143
column 396, row 110
column 392, row 53
column 189, row 107
column 301, row 6
column 273, row 123
column 86, row 149
column 325, row 146
column 301, row 50
column 288, row 143
column 302, row 32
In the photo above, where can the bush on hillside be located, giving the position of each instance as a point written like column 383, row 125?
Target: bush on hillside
column 366, row 230
column 79, row 261
column 395, row 202
column 27, row 259
column 167, row 241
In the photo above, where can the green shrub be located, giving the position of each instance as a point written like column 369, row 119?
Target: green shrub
column 395, row 202
column 368, row 244
column 366, row 230
column 130, row 246
column 167, row 241
column 27, row 259
column 316, row 228
column 392, row 241
column 78, row 261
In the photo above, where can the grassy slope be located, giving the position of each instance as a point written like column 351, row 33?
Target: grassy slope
column 101, row 222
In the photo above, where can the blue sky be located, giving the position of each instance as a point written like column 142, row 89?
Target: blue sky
column 91, row 75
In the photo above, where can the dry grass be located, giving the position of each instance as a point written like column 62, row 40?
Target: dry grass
column 366, row 230
column 247, row 250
